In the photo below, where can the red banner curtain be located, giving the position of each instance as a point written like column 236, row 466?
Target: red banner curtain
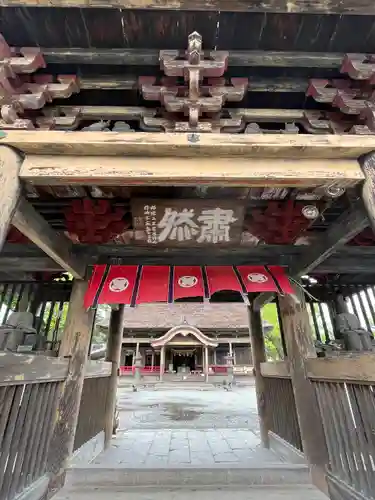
column 134, row 285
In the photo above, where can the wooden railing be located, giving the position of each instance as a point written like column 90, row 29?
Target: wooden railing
column 280, row 405
column 92, row 411
column 30, row 387
column 345, row 388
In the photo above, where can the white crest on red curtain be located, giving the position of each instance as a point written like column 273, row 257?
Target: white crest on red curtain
column 257, row 278
column 187, row 281
column 119, row 284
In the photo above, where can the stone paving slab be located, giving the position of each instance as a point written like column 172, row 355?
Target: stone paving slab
column 188, row 409
column 252, row 493
column 168, row 447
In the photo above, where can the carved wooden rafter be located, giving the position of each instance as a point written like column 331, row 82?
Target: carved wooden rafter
column 21, row 90
column 200, row 97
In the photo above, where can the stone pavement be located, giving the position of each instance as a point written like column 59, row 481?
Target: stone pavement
column 183, row 428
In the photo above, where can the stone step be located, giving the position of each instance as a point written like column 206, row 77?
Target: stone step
column 263, row 474
column 295, row 492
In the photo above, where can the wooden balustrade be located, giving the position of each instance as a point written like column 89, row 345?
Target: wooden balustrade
column 281, row 413
column 30, row 387
column 92, row 410
column 345, row 388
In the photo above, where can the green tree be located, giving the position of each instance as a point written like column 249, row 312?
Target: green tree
column 272, row 339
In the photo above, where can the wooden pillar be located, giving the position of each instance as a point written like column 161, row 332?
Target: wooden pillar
column 300, row 346
column 75, row 345
column 10, row 188
column 114, row 356
column 259, row 356
column 162, row 361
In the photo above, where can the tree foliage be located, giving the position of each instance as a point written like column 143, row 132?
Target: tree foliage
column 273, row 344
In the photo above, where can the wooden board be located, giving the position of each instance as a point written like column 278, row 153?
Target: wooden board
column 360, row 7
column 231, row 171
column 276, row 369
column 188, row 223
column 357, row 368
column 97, row 369
column 31, row 368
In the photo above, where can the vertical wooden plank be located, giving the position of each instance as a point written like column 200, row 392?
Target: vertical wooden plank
column 29, row 470
column 75, row 344
column 9, row 432
column 10, row 188
column 116, row 326
column 16, row 443
column 7, row 394
column 259, row 356
column 300, row 346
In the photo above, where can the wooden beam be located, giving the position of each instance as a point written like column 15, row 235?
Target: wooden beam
column 10, row 188
column 343, row 230
column 30, row 368
column 146, row 57
column 130, row 82
column 301, row 146
column 89, row 170
column 276, row 369
column 300, row 346
column 28, row 264
column 114, row 344
column 136, row 112
column 94, row 369
column 358, row 7
column 30, row 223
column 356, row 368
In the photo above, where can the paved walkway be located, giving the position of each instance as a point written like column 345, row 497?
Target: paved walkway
column 182, row 428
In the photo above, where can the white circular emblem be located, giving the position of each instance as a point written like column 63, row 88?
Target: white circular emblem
column 257, row 278
column 187, row 281
column 118, row 284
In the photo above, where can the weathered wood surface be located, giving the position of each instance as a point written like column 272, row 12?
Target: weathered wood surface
column 368, row 190
column 189, row 145
column 30, row 368
column 258, row 352
column 95, row 369
column 130, row 82
column 359, row 7
column 75, row 345
column 300, row 347
column 28, row 264
column 10, row 188
column 30, row 223
column 150, row 57
column 276, row 369
column 115, row 337
column 356, row 368
column 59, row 170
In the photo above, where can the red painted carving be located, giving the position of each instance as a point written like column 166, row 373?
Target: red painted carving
column 94, row 221
column 359, row 67
column 279, row 223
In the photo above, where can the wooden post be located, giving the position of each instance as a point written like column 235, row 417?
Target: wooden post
column 114, row 356
column 75, row 345
column 10, row 188
column 162, row 362
column 206, row 362
column 368, row 191
column 259, row 356
column 300, row 346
